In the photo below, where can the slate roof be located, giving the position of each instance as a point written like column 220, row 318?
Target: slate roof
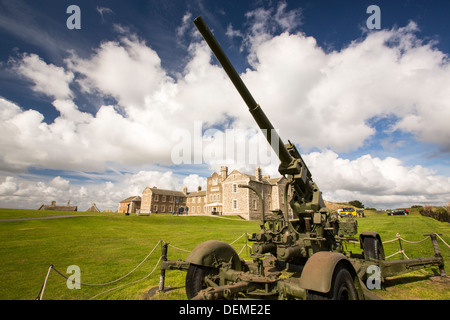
column 131, row 199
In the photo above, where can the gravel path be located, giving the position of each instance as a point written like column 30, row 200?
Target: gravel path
column 37, row 218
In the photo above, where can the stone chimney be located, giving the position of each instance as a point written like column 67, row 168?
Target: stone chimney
column 258, row 174
column 199, row 188
column 185, row 190
column 53, row 203
column 223, row 172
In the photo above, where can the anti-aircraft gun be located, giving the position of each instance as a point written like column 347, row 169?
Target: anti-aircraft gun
column 301, row 258
column 316, row 229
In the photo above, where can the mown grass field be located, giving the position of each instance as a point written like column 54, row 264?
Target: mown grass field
column 107, row 246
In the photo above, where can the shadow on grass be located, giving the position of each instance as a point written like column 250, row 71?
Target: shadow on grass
column 154, row 292
column 415, row 286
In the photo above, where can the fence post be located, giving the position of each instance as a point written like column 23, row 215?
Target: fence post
column 162, row 276
column 400, row 245
column 437, row 252
column 246, row 244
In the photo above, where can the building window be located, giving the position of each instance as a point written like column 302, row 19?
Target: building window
column 163, row 199
column 163, row 208
column 198, row 209
column 155, row 207
column 235, row 204
column 234, row 187
column 218, row 197
column 255, row 204
column 156, row 197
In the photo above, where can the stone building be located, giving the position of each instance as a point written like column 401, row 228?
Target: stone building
column 55, row 207
column 93, row 208
column 214, row 196
column 222, row 196
column 244, row 202
column 156, row 200
column 196, row 201
column 130, row 205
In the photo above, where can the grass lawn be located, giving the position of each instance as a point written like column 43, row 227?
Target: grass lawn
column 417, row 284
column 107, row 246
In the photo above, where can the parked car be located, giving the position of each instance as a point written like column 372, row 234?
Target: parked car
column 347, row 211
column 398, row 212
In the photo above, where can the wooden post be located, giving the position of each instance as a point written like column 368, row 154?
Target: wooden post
column 401, row 248
column 162, row 276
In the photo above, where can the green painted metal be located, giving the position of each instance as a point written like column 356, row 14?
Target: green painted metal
column 213, row 253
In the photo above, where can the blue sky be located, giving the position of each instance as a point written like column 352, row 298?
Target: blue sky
column 96, row 114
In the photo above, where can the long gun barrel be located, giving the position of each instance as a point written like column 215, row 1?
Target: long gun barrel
column 308, row 196
column 254, row 108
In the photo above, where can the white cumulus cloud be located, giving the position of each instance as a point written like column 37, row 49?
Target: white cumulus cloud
column 383, row 183
column 47, row 78
column 322, row 100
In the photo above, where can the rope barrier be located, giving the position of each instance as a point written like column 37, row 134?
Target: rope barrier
column 244, row 234
column 52, row 267
column 399, row 238
column 246, row 245
column 114, row 281
column 41, row 293
column 393, row 254
column 179, row 248
column 414, row 242
column 442, row 240
column 124, row 285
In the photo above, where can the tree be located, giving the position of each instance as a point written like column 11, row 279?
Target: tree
column 357, row 204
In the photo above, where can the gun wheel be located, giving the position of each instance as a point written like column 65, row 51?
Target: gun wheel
column 342, row 287
column 199, row 278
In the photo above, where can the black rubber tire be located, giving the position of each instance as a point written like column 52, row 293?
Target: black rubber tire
column 342, row 287
column 195, row 279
